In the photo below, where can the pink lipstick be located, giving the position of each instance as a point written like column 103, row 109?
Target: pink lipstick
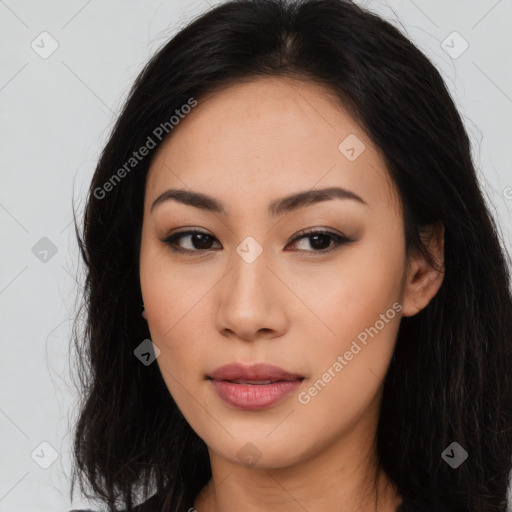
column 253, row 387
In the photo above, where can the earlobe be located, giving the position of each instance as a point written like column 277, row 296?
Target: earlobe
column 424, row 279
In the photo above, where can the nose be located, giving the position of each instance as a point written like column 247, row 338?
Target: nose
column 250, row 301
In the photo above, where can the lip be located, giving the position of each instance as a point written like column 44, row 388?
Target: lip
column 253, row 396
column 255, row 372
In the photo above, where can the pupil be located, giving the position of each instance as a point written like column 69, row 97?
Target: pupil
column 325, row 238
column 203, row 240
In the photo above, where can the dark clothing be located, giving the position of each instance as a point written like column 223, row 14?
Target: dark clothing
column 414, row 506
column 151, row 505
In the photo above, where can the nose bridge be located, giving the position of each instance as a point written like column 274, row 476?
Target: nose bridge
column 247, row 301
column 249, row 263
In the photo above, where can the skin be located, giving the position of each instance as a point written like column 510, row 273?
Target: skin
column 293, row 306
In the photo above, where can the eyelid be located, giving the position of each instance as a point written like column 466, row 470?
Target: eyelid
column 317, row 230
column 339, row 240
column 170, row 240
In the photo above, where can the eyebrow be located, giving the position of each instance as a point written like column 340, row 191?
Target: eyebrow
column 277, row 207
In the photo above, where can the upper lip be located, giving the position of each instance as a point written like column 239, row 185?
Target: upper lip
column 255, row 372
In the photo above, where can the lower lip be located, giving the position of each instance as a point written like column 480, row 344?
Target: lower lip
column 254, row 396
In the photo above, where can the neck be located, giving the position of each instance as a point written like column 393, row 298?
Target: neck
column 269, row 493
column 344, row 477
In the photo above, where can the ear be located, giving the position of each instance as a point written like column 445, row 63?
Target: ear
column 143, row 312
column 423, row 280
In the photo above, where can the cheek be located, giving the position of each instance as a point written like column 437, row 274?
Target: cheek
column 350, row 363
column 178, row 320
column 166, row 308
column 178, row 328
column 351, row 293
column 171, row 293
column 358, row 305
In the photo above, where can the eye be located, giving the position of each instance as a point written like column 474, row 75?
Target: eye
column 199, row 241
column 321, row 239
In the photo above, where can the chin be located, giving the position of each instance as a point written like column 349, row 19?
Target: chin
column 261, row 453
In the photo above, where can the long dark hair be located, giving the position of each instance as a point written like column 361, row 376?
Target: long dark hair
column 450, row 377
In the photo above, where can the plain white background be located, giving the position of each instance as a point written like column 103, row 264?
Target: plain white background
column 56, row 113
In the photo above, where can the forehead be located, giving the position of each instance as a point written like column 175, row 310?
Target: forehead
column 266, row 138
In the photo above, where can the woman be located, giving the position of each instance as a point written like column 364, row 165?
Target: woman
column 326, row 315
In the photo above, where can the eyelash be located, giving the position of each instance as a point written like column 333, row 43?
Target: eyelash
column 338, row 239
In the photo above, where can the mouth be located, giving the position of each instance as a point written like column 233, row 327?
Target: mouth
column 257, row 382
column 256, row 374
column 253, row 387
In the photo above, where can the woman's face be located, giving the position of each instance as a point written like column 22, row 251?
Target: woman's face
column 249, row 289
